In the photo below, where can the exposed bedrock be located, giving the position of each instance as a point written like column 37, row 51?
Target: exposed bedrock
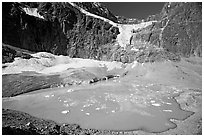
column 179, row 31
column 64, row 30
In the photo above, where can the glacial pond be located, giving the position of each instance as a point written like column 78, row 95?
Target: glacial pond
column 107, row 105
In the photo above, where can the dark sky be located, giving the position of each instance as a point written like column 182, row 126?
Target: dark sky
column 140, row 10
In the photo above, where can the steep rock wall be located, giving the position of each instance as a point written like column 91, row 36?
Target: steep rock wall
column 64, row 30
column 179, row 31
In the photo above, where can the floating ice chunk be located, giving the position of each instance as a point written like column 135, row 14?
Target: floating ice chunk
column 86, row 105
column 53, row 95
column 65, row 112
column 65, row 101
column 82, row 110
column 88, row 114
column 103, row 106
column 47, row 96
column 70, row 90
column 167, row 110
column 167, row 103
column 67, row 105
column 155, row 104
column 97, row 108
column 152, row 101
column 113, row 111
column 73, row 104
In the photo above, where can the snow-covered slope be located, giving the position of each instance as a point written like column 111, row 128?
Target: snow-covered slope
column 47, row 63
column 93, row 15
column 126, row 31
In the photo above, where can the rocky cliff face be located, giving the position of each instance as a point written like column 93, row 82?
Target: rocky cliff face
column 178, row 31
column 64, row 30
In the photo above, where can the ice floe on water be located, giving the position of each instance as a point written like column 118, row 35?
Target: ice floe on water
column 47, row 96
column 65, row 112
column 156, row 104
column 167, row 110
column 70, row 90
column 105, row 106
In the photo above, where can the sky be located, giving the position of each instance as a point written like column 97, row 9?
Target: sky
column 140, row 10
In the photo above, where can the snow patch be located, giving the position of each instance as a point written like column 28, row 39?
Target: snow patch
column 43, row 55
column 93, row 15
column 134, row 64
column 126, row 31
column 48, row 63
column 33, row 12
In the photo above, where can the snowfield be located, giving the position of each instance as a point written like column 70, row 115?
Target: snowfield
column 48, row 63
column 126, row 31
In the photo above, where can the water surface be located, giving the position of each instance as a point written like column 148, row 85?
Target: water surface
column 107, row 105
